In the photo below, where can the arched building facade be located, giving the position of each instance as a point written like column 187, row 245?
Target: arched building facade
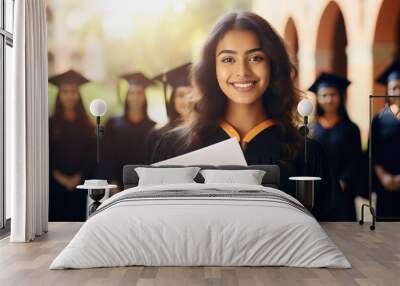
column 357, row 39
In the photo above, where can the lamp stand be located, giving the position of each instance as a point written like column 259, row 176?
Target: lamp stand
column 305, row 143
column 305, row 185
column 96, row 195
column 99, row 134
column 369, row 204
column 305, row 193
column 304, row 132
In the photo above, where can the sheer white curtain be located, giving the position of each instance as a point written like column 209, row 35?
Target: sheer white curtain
column 27, row 124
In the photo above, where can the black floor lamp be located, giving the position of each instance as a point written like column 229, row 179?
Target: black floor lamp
column 369, row 205
column 305, row 108
column 98, row 108
column 305, row 183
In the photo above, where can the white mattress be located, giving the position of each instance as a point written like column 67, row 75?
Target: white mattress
column 207, row 230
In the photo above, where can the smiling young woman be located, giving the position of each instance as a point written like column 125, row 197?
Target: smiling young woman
column 244, row 80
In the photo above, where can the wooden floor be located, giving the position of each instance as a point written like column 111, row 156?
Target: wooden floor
column 374, row 255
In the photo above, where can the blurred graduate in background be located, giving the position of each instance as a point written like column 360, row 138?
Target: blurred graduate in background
column 125, row 140
column 340, row 138
column 385, row 146
column 72, row 149
column 179, row 105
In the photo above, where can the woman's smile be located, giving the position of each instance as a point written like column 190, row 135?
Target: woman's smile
column 244, row 86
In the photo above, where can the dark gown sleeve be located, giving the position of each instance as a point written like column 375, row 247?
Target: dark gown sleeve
column 325, row 190
column 375, row 145
column 56, row 208
column 169, row 145
column 353, row 144
column 165, row 148
column 375, row 142
column 153, row 139
column 108, row 158
column 148, row 136
column 89, row 168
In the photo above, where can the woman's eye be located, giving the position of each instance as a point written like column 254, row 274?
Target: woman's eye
column 227, row 60
column 256, row 58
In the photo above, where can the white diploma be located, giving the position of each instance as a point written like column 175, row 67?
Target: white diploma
column 226, row 152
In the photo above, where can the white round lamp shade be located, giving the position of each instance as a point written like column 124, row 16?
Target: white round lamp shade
column 98, row 107
column 305, row 107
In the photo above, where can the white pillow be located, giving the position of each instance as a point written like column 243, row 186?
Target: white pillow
column 163, row 176
column 248, row 177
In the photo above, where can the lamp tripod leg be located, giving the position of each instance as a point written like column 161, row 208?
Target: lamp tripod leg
column 372, row 210
column 361, row 221
column 98, row 139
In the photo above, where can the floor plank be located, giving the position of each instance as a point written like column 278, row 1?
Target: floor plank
column 374, row 255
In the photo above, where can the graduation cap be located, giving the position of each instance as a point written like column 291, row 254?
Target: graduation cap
column 390, row 73
column 68, row 77
column 176, row 77
column 329, row 80
column 135, row 78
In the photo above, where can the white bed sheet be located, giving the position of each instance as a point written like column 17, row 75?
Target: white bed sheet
column 200, row 231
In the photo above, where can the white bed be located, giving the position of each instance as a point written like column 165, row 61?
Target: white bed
column 201, row 224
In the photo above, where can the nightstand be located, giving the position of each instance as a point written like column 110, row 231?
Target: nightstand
column 305, row 190
column 96, row 190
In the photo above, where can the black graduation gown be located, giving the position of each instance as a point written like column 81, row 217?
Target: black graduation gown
column 124, row 143
column 386, row 153
column 265, row 148
column 342, row 144
column 154, row 138
column 72, row 150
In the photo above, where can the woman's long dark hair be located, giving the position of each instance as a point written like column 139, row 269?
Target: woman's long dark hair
column 342, row 111
column 82, row 117
column 174, row 118
column 279, row 100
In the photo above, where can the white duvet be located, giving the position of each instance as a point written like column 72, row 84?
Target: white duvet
column 207, row 230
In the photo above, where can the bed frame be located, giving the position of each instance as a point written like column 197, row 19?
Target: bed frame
column 270, row 179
